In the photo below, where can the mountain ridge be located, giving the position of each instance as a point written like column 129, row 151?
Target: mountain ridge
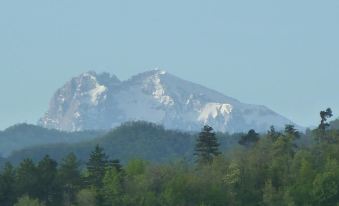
column 24, row 135
column 102, row 101
column 130, row 140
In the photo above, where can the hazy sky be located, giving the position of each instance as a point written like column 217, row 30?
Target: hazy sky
column 282, row 54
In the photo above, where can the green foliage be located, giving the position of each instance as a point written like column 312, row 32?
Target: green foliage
column 326, row 184
column 270, row 195
column 207, row 146
column 96, row 166
column 272, row 134
column 279, row 169
column 135, row 167
column 27, row 201
column 250, row 139
column 324, row 115
column 133, row 140
column 321, row 132
column 233, row 174
column 87, row 197
column 291, row 132
column 70, row 178
column 7, row 185
column 27, row 178
column 47, row 187
column 21, row 136
column 112, row 189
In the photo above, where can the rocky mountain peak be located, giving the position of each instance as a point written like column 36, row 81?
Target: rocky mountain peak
column 102, row 101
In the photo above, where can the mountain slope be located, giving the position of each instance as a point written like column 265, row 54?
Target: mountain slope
column 102, row 101
column 24, row 135
column 141, row 140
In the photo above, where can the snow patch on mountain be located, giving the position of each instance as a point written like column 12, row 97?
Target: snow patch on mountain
column 102, row 101
column 213, row 110
column 154, row 86
column 96, row 92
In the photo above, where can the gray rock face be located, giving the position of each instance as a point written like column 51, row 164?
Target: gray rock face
column 102, row 101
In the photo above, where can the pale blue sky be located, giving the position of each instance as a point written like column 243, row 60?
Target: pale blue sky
column 282, row 54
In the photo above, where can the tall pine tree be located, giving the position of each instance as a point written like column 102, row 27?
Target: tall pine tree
column 96, row 166
column 70, row 178
column 207, row 146
column 27, row 178
column 49, row 189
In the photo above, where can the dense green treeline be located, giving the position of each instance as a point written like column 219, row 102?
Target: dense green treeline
column 276, row 168
column 24, row 135
column 131, row 140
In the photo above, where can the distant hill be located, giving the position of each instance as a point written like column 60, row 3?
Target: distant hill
column 129, row 141
column 25, row 135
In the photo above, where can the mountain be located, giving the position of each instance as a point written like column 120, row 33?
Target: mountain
column 101, row 101
column 24, row 135
column 141, row 140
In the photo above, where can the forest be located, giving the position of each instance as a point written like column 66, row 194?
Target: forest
column 285, row 167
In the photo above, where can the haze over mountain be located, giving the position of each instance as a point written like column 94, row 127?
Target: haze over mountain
column 101, row 101
column 21, row 136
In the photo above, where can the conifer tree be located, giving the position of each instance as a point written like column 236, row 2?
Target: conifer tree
column 272, row 134
column 115, row 164
column 96, row 166
column 7, row 185
column 27, row 178
column 291, row 132
column 249, row 139
column 324, row 115
column 48, row 188
column 207, row 146
column 70, row 177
